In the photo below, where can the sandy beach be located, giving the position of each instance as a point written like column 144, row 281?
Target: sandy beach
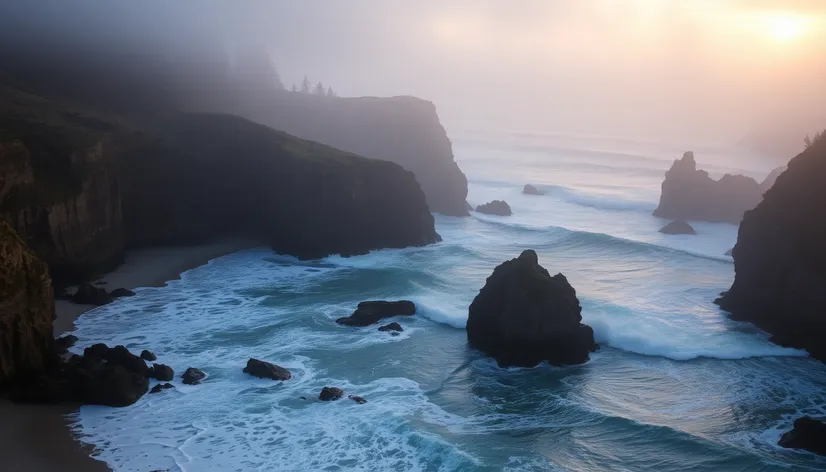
column 36, row 438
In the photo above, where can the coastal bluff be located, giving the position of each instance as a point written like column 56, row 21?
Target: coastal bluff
column 780, row 258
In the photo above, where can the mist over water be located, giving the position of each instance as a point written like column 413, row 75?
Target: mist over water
column 675, row 386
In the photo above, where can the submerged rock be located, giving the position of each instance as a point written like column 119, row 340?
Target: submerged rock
column 523, row 316
column 148, row 355
column 531, row 190
column 808, row 434
column 371, row 312
column 90, row 295
column 122, row 292
column 496, row 207
column 392, row 327
column 161, row 387
column 117, row 356
column 330, row 393
column 357, row 399
column 678, row 227
column 193, row 376
column 266, row 370
column 162, row 372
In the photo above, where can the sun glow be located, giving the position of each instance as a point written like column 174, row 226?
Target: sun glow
column 785, row 28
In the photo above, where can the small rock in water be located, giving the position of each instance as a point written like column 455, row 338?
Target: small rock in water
column 266, row 370
column 162, row 372
column 395, row 333
column 391, row 327
column 303, row 398
column 371, row 312
column 808, row 434
column 677, row 227
column 90, row 295
column 496, row 207
column 193, row 376
column 148, row 355
column 121, row 292
column 330, row 393
column 161, row 387
column 357, row 399
column 531, row 190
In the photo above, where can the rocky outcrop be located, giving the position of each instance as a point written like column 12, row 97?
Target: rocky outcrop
column 690, row 194
column 808, row 434
column 266, row 370
column 677, row 227
column 496, row 207
column 371, row 312
column 772, row 178
column 148, row 355
column 780, row 258
column 523, row 316
column 330, row 393
column 404, row 130
column 161, row 387
column 162, row 372
column 357, row 399
column 26, row 309
column 193, row 376
column 531, row 190
column 393, row 327
column 88, row 294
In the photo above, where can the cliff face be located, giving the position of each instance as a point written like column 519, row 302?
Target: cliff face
column 780, row 258
column 26, row 309
column 218, row 174
column 404, row 130
column 690, row 194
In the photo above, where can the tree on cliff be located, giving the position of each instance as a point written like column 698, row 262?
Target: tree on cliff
column 331, row 92
column 305, row 85
column 319, row 89
column 809, row 140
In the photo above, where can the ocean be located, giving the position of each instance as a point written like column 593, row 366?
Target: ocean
column 675, row 386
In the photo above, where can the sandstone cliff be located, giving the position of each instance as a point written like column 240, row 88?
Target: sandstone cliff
column 690, row 194
column 780, row 257
column 26, row 309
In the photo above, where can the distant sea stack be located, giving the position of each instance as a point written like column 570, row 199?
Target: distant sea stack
column 780, row 258
column 404, row 130
column 496, row 207
column 532, row 190
column 523, row 316
column 690, row 194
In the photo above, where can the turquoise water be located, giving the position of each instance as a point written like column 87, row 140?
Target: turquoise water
column 675, row 386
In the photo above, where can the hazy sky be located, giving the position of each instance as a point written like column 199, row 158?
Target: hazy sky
column 634, row 67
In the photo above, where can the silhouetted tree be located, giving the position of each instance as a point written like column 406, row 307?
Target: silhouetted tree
column 293, row 88
column 319, row 89
column 809, row 140
column 330, row 92
column 305, row 85
column 256, row 70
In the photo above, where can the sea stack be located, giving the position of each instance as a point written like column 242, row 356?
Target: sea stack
column 677, row 227
column 496, row 207
column 690, row 194
column 531, row 190
column 780, row 258
column 523, row 316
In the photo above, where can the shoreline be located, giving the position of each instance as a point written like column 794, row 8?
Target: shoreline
column 38, row 438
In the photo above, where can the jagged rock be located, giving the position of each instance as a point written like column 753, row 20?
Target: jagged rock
column 371, row 312
column 193, row 376
column 62, row 344
column 118, row 356
column 772, row 178
column 728, row 253
column 26, row 307
column 90, row 295
column 357, row 399
column 122, row 292
column 531, row 190
column 690, row 194
column 780, row 258
column 808, row 434
column 148, row 355
column 496, row 207
column 162, row 372
column 677, row 227
column 266, row 370
column 523, row 316
column 161, row 387
column 330, row 393
column 391, row 327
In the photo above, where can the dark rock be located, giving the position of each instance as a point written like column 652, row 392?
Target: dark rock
column 496, row 207
column 677, row 227
column 265, row 370
column 780, row 258
column 391, row 327
column 531, row 190
column 90, row 295
column 161, row 387
column 728, row 253
column 523, row 316
column 371, row 312
column 808, row 434
column 395, row 333
column 117, row 356
column 148, row 355
column 772, row 178
column 122, row 292
column 330, row 393
column 193, row 376
column 357, row 399
column 62, row 344
column 690, row 194
column 162, row 372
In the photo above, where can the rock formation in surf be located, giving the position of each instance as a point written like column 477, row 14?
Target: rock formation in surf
column 371, row 312
column 266, row 370
column 690, row 194
column 26, row 309
column 677, row 227
column 496, row 207
column 523, row 316
column 780, row 258
column 531, row 190
column 808, row 434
